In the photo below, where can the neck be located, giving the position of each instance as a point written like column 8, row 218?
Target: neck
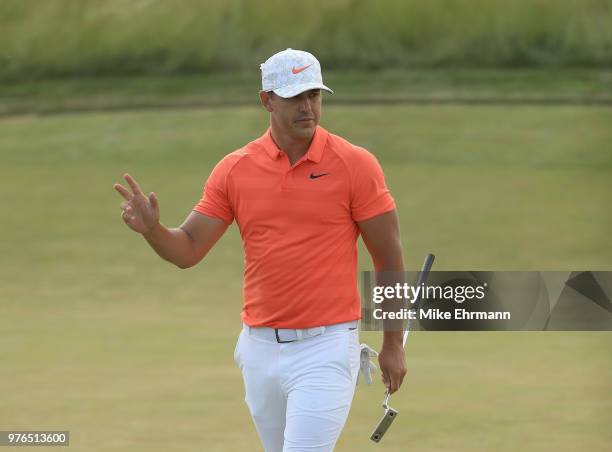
column 294, row 147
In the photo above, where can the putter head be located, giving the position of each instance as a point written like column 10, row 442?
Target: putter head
column 383, row 424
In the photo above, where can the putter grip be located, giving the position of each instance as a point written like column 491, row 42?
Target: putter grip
column 422, row 279
column 429, row 259
column 424, row 273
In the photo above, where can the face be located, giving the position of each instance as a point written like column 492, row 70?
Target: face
column 296, row 117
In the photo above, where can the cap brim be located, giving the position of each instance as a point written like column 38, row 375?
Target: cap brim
column 294, row 90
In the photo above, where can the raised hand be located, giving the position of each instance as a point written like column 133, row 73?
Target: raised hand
column 139, row 212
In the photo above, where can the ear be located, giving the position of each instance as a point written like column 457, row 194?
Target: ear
column 266, row 100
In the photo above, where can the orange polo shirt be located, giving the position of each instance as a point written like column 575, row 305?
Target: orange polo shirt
column 298, row 226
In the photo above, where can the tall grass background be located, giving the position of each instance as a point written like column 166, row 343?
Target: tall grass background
column 100, row 37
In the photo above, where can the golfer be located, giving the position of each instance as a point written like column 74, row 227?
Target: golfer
column 301, row 196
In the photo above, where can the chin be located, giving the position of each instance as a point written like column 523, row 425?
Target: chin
column 305, row 128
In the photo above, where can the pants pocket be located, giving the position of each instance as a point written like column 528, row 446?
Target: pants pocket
column 237, row 349
column 353, row 353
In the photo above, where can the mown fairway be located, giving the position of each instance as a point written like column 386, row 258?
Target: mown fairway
column 102, row 338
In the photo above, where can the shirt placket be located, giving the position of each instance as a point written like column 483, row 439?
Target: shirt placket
column 286, row 175
column 288, row 171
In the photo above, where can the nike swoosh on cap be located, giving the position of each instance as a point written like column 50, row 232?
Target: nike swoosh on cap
column 295, row 70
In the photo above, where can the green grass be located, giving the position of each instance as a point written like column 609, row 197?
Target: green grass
column 390, row 86
column 101, row 337
column 76, row 38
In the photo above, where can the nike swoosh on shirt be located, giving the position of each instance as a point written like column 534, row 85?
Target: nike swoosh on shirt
column 315, row 176
column 295, row 70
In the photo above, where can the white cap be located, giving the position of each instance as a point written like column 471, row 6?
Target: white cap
column 291, row 72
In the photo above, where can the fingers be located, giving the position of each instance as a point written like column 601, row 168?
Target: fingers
column 393, row 380
column 153, row 200
column 401, row 380
column 123, row 191
column 126, row 207
column 127, row 213
column 392, row 384
column 133, row 184
column 125, row 217
column 396, row 382
column 385, row 380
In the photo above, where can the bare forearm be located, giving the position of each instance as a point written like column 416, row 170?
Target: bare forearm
column 381, row 236
column 393, row 327
column 173, row 245
column 390, row 271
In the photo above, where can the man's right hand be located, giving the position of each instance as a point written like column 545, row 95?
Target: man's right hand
column 139, row 212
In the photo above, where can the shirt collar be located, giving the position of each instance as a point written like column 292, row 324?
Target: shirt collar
column 314, row 152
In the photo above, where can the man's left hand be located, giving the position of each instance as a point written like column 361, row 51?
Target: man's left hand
column 392, row 361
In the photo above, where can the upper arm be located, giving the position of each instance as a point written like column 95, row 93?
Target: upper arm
column 216, row 201
column 204, row 232
column 369, row 193
column 381, row 235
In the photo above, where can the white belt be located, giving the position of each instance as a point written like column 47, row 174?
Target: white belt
column 283, row 335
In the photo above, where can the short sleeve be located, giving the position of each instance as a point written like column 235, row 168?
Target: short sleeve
column 370, row 195
column 215, row 201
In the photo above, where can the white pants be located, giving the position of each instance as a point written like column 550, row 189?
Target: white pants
column 299, row 393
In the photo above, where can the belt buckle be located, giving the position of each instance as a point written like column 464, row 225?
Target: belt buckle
column 278, row 338
column 316, row 331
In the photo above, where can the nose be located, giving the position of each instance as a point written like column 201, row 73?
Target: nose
column 305, row 105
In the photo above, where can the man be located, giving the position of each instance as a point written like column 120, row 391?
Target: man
column 301, row 197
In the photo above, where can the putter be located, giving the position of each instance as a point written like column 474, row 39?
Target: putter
column 390, row 413
column 385, row 421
